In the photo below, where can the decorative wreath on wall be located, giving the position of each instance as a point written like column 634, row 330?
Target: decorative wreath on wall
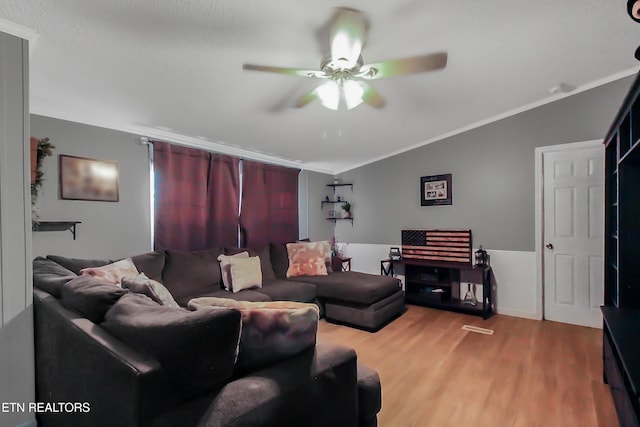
column 44, row 149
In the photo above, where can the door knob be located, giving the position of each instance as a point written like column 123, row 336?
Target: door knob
column 549, row 246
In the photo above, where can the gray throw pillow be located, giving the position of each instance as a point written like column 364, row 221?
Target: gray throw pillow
column 155, row 290
column 279, row 259
column 49, row 276
column 77, row 264
column 90, row 296
column 192, row 274
column 151, row 264
column 197, row 348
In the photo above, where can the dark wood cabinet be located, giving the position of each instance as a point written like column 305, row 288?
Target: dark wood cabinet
column 445, row 285
column 621, row 312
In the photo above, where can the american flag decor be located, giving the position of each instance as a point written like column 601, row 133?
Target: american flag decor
column 437, row 245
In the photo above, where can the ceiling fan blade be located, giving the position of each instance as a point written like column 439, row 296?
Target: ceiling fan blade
column 288, row 71
column 307, row 98
column 404, row 66
column 347, row 36
column 371, row 96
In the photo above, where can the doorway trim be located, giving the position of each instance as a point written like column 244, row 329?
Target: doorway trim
column 539, row 207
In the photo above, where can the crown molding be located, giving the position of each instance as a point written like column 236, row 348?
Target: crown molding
column 18, row 30
column 493, row 119
column 172, row 137
column 221, row 147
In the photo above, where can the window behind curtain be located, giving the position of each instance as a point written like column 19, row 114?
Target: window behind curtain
column 269, row 204
column 196, row 194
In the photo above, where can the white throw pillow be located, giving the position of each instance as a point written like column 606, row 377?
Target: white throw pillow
column 246, row 273
column 225, row 268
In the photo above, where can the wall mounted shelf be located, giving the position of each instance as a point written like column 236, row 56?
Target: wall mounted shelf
column 335, row 201
column 55, row 226
column 341, row 185
column 339, row 219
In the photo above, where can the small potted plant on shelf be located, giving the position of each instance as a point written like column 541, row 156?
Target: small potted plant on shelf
column 346, row 207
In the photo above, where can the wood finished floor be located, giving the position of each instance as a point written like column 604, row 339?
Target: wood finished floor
column 529, row 373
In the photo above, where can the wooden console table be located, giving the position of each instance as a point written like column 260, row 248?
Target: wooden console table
column 444, row 285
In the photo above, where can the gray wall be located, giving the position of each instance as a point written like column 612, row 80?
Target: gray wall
column 108, row 230
column 313, row 188
column 17, row 379
column 493, row 174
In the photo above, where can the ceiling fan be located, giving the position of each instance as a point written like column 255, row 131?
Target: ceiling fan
column 344, row 69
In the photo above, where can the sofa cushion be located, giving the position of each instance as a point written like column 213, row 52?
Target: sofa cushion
column 264, row 255
column 288, row 290
column 245, row 273
column 225, row 268
column 271, row 331
column 191, row 274
column 155, row 290
column 151, row 264
column 369, row 393
column 279, row 259
column 77, row 264
column 112, row 273
column 49, row 276
column 90, row 296
column 307, row 258
column 247, row 295
column 353, row 286
column 197, row 348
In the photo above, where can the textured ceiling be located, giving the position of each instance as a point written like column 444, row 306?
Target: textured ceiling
column 172, row 69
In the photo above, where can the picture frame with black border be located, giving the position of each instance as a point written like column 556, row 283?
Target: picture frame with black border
column 436, row 190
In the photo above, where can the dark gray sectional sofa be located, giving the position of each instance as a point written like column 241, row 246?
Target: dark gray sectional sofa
column 80, row 360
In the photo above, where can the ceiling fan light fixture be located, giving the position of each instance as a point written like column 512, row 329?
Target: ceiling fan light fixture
column 353, row 92
column 346, row 50
column 329, row 94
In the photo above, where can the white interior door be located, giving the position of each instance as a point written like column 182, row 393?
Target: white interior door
column 573, row 225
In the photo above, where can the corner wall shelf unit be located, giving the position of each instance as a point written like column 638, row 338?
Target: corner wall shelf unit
column 55, row 226
column 336, row 200
column 339, row 219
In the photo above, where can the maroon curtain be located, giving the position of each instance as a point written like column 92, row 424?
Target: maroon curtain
column 223, row 199
column 269, row 204
column 196, row 196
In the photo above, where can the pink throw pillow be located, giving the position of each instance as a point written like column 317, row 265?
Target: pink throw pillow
column 112, row 273
column 307, row 258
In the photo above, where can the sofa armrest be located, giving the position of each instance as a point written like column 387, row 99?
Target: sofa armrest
column 317, row 387
column 77, row 361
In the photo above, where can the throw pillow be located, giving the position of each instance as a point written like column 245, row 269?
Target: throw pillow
column 225, row 268
column 271, row 331
column 77, row 264
column 150, row 263
column 90, row 296
column 245, row 273
column 191, row 274
column 308, row 258
column 198, row 349
column 279, row 259
column 155, row 290
column 50, row 276
column 265, row 259
column 112, row 273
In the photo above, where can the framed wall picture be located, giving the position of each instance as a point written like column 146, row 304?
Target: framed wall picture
column 436, row 190
column 332, row 214
column 82, row 178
